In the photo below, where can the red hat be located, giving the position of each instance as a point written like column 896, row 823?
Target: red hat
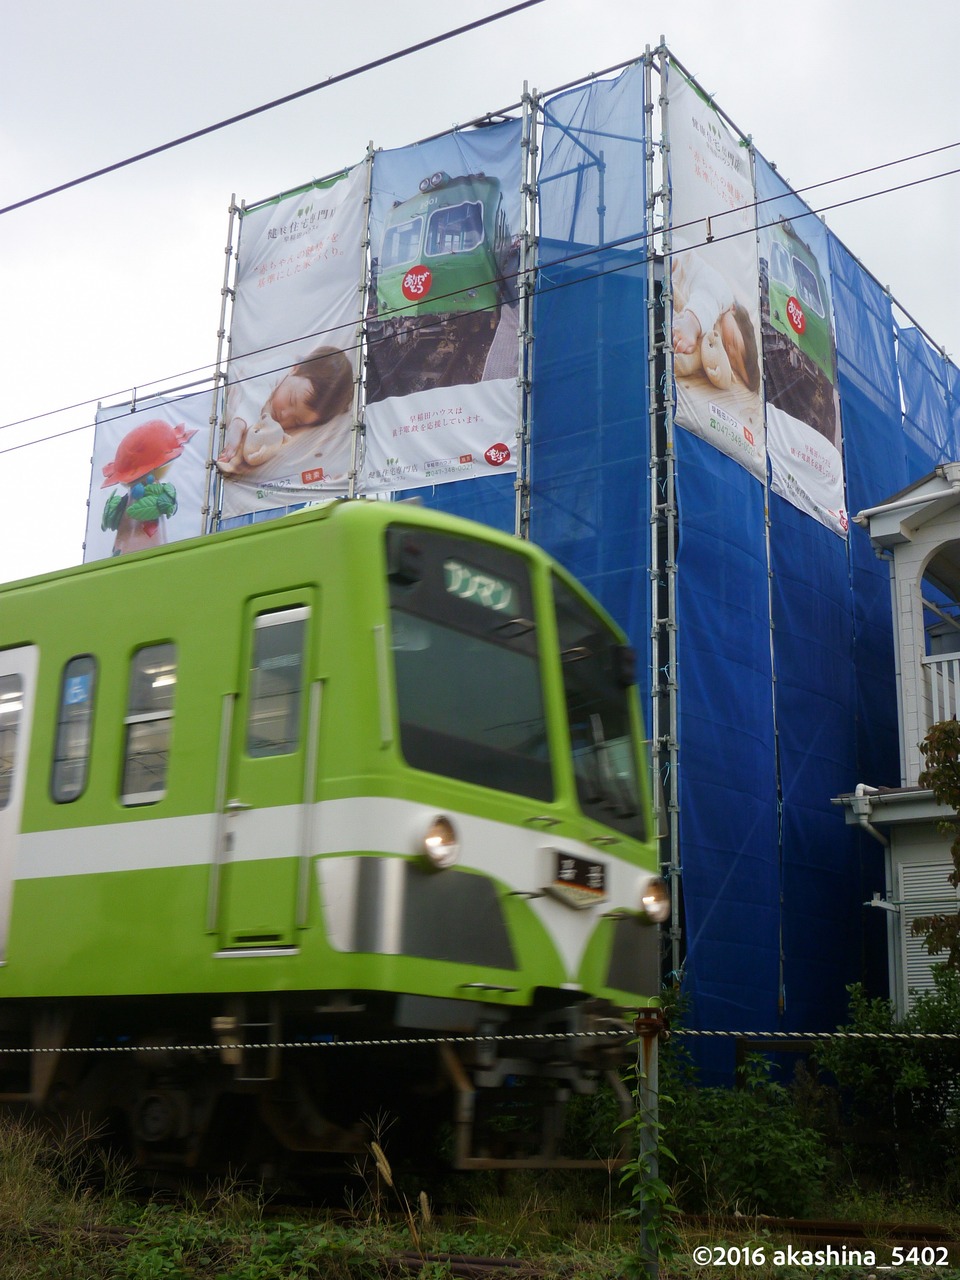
column 145, row 448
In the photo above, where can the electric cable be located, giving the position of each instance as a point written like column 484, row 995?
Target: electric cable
column 593, row 251
column 269, row 106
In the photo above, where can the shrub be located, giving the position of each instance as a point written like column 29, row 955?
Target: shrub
column 901, row 1098
column 746, row 1149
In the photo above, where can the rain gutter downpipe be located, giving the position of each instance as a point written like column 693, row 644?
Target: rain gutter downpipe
column 862, row 806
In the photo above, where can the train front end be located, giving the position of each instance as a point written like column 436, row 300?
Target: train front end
column 510, row 893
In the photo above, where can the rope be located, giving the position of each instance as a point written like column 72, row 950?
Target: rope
column 514, row 1038
column 823, row 1035
column 392, row 1042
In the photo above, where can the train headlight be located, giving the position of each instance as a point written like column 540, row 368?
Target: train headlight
column 440, row 844
column 654, row 899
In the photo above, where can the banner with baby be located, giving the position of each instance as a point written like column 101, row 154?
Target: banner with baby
column 714, row 275
column 290, row 421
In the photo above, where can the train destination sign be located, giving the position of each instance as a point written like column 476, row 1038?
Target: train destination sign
column 467, row 583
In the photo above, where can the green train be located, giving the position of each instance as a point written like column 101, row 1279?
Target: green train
column 799, row 351
column 446, row 250
column 335, row 816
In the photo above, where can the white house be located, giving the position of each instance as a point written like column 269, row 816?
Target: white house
column 918, row 531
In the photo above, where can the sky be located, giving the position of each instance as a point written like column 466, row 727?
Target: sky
column 116, row 284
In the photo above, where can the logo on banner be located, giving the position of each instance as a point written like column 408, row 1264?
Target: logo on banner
column 497, row 455
column 798, row 320
column 417, row 283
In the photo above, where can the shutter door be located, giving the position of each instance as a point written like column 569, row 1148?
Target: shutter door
column 924, row 891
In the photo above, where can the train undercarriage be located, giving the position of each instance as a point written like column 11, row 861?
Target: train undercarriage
column 305, row 1081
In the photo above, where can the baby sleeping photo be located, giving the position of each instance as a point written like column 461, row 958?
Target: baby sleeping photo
column 307, row 415
column 713, row 332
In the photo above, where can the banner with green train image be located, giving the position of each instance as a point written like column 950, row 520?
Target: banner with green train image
column 442, row 314
column 799, row 354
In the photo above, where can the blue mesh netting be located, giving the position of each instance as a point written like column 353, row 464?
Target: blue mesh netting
column 728, row 785
column 590, row 447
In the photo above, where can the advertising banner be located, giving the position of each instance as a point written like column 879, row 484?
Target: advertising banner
column 799, row 354
column 442, row 318
column 716, row 321
column 149, row 475
column 292, row 373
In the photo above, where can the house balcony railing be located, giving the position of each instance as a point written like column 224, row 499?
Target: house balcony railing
column 942, row 691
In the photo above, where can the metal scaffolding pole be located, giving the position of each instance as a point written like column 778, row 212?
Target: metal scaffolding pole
column 210, row 512
column 663, row 505
column 781, row 1002
column 358, row 430
column 526, row 284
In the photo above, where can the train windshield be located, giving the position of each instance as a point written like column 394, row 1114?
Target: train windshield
column 455, row 230
column 596, row 675
column 466, row 663
column 807, row 287
column 401, row 244
column 780, row 267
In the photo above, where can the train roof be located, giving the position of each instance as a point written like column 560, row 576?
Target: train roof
column 378, row 513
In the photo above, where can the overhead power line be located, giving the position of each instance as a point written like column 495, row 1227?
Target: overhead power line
column 269, row 106
column 592, row 251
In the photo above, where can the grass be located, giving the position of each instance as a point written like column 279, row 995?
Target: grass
column 66, row 1214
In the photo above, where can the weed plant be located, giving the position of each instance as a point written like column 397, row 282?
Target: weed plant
column 746, row 1149
column 56, row 1190
column 898, row 1112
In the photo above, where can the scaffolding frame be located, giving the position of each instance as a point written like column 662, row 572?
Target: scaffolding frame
column 664, row 516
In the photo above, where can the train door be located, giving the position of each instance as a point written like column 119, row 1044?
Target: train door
column 18, row 679
column 270, row 733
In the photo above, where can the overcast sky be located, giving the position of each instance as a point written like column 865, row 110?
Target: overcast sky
column 116, row 284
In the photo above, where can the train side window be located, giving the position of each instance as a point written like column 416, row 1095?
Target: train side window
column 276, row 682
column 597, row 671
column 11, row 708
column 71, row 753
column 149, row 724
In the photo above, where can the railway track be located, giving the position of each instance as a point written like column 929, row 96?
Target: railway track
column 719, row 1232
column 395, row 1266
column 467, row 1267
